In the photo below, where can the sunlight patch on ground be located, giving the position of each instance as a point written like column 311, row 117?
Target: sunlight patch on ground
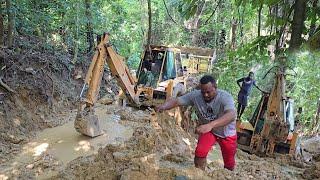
column 83, row 145
column 38, row 150
column 3, row 177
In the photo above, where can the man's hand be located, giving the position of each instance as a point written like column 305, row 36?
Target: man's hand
column 204, row 128
column 171, row 103
column 160, row 108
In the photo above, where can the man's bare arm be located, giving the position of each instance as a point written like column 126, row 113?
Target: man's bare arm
column 171, row 103
column 238, row 82
column 228, row 117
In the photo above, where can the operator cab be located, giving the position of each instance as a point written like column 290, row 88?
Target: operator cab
column 159, row 63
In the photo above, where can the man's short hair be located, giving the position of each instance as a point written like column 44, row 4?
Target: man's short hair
column 208, row 78
column 251, row 72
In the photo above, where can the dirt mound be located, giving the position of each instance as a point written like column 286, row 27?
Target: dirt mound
column 312, row 172
column 309, row 148
column 39, row 76
column 158, row 149
column 161, row 149
column 310, row 151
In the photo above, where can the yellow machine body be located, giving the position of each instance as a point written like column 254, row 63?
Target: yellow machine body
column 271, row 128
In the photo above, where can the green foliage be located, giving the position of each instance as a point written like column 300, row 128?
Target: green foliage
column 133, row 61
column 252, row 50
column 64, row 23
column 305, row 86
column 188, row 8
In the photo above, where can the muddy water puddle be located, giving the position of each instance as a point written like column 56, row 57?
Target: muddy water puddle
column 64, row 144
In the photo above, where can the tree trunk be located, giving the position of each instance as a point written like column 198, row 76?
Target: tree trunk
column 143, row 26
column 10, row 23
column 216, row 33
column 196, row 24
column 64, row 33
column 282, row 31
column 89, row 32
column 1, row 25
column 297, row 24
column 317, row 118
column 76, row 39
column 241, row 21
column 272, row 21
column 222, row 39
column 233, row 33
column 277, row 29
column 150, row 23
column 259, row 20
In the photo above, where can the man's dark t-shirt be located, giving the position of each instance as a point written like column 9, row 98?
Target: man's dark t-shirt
column 246, row 85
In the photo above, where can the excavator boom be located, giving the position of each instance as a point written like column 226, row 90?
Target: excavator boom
column 86, row 121
column 105, row 53
column 122, row 74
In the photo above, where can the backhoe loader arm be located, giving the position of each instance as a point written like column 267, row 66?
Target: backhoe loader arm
column 87, row 122
column 105, row 53
column 122, row 74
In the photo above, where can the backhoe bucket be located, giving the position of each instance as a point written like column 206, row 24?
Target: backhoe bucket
column 87, row 123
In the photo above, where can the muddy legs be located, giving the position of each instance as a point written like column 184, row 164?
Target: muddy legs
column 200, row 163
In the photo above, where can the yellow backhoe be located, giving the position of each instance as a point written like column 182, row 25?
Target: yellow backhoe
column 271, row 128
column 159, row 77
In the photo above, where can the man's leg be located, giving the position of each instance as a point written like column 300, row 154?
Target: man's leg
column 238, row 111
column 228, row 147
column 200, row 163
column 243, row 101
column 205, row 142
column 241, row 110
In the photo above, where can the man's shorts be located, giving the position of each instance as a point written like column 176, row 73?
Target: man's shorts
column 228, row 148
column 243, row 99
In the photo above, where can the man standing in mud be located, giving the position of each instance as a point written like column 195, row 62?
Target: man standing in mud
column 216, row 112
column 245, row 89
